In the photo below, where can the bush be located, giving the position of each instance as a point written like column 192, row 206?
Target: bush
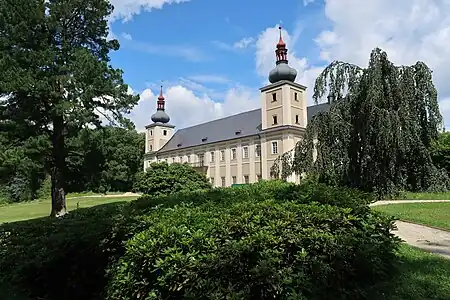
column 75, row 257
column 165, row 179
column 264, row 250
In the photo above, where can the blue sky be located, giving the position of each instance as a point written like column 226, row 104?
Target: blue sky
column 213, row 55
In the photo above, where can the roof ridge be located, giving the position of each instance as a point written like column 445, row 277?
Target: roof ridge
column 220, row 119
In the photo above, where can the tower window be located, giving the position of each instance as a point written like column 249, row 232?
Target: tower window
column 151, row 132
column 150, row 147
column 295, row 96
column 296, row 119
column 275, row 120
column 274, row 97
column 275, row 147
column 164, row 132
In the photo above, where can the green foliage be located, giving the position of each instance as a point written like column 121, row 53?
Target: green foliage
column 256, row 250
column 76, row 256
column 99, row 160
column 440, row 151
column 56, row 76
column 163, row 179
column 45, row 191
column 378, row 131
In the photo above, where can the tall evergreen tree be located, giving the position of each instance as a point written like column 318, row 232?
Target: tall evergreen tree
column 378, row 131
column 55, row 75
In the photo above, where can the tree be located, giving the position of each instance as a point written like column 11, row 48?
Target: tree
column 164, row 179
column 378, row 131
column 56, row 77
column 440, row 151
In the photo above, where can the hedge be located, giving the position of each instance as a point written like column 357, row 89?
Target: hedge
column 256, row 250
column 75, row 257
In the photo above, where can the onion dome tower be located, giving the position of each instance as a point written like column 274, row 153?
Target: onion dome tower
column 282, row 70
column 160, row 116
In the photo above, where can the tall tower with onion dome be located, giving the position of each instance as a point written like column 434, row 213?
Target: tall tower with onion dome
column 160, row 131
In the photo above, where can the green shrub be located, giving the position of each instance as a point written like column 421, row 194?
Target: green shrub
column 165, row 179
column 68, row 258
column 264, row 250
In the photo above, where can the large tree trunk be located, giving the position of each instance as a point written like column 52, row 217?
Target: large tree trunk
column 57, row 174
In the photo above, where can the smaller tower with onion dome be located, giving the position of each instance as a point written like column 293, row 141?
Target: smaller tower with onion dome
column 283, row 101
column 160, row 131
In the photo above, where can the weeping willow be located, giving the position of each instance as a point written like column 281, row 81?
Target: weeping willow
column 377, row 133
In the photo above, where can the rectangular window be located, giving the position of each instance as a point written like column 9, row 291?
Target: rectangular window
column 275, row 120
column 245, row 152
column 223, row 181
column 234, row 179
column 188, row 158
column 211, row 180
column 274, row 97
column 258, row 150
column 164, row 132
column 201, row 159
column 151, row 132
column 233, row 153
column 296, row 119
column 274, row 147
column 222, row 155
column 212, row 156
column 150, row 147
column 295, row 96
column 246, row 179
column 258, row 177
column 180, row 159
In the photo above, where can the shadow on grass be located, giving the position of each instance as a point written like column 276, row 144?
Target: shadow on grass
column 70, row 250
column 422, row 276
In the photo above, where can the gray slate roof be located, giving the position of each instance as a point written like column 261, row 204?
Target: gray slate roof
column 247, row 123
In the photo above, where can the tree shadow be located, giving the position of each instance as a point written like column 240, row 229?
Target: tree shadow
column 422, row 276
column 70, row 250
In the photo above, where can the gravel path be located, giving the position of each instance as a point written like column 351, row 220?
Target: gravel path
column 426, row 238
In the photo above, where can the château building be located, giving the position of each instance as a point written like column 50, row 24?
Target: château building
column 240, row 148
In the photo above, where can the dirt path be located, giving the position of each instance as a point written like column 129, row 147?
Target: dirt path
column 129, row 194
column 423, row 237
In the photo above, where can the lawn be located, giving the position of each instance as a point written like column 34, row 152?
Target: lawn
column 423, row 276
column 432, row 214
column 40, row 208
column 425, row 196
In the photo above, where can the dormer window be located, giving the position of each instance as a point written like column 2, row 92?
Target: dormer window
column 238, row 132
column 164, row 132
column 179, row 145
column 204, row 139
column 275, row 120
column 274, row 97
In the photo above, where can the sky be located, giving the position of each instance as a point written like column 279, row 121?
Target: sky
column 212, row 56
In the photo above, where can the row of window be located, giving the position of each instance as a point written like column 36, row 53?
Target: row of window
column 245, row 154
column 275, row 120
column 246, row 179
column 274, row 97
column 164, row 132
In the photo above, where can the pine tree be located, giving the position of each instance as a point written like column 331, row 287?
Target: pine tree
column 56, row 77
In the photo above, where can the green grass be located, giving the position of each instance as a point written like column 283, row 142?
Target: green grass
column 432, row 214
column 41, row 208
column 423, row 276
column 425, row 196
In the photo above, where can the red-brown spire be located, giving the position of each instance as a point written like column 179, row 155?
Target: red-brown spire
column 280, row 42
column 160, row 101
column 281, row 51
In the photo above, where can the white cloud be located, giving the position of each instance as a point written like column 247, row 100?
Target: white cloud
column 243, row 43
column 127, row 36
column 126, row 9
column 265, row 58
column 408, row 30
column 209, row 78
column 185, row 108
